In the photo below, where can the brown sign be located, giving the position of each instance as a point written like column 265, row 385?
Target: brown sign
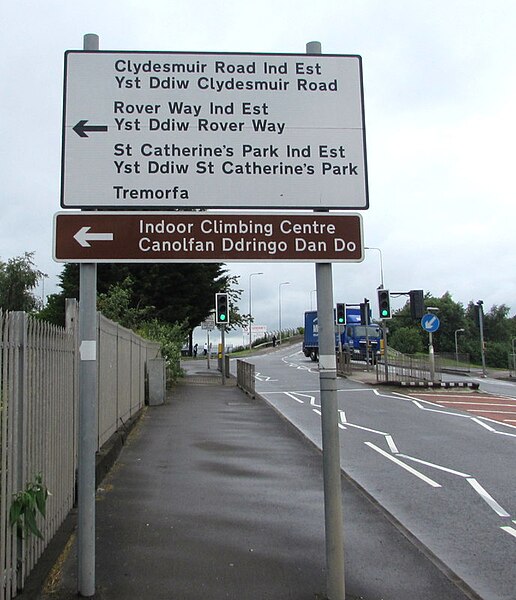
column 206, row 237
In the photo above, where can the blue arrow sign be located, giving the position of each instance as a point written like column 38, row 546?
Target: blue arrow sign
column 430, row 323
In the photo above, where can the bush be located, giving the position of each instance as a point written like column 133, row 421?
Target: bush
column 497, row 355
column 406, row 340
column 171, row 337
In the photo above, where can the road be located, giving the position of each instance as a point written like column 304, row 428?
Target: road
column 448, row 475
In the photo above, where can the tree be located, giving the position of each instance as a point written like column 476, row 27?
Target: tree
column 176, row 292
column 18, row 277
column 451, row 315
column 496, row 327
column 406, row 340
column 116, row 305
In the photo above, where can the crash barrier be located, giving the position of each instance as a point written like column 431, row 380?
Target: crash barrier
column 343, row 364
column 38, row 423
column 245, row 377
column 227, row 372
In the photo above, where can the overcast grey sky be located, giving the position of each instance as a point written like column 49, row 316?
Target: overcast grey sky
column 440, row 97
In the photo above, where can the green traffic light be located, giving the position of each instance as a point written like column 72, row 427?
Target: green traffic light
column 341, row 320
column 222, row 317
column 385, row 312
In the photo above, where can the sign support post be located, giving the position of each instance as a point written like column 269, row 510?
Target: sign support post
column 116, row 148
column 330, row 431
column 87, row 414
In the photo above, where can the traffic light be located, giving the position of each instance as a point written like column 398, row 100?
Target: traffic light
column 341, row 314
column 364, row 312
column 417, row 305
column 384, row 304
column 479, row 312
column 221, row 309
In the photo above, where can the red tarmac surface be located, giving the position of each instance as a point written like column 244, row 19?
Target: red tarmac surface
column 497, row 408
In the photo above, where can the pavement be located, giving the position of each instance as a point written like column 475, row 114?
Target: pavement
column 215, row 496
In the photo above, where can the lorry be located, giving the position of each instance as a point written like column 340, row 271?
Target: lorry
column 353, row 336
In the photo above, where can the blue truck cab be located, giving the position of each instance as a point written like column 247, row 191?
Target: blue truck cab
column 353, row 336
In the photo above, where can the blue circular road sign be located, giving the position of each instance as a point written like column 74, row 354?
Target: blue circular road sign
column 430, row 323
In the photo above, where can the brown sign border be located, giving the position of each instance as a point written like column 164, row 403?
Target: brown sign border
column 223, row 237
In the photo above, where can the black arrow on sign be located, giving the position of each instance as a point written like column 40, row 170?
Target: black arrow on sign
column 81, row 129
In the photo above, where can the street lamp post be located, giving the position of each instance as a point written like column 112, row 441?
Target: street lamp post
column 457, row 345
column 250, row 310
column 311, row 299
column 279, row 306
column 381, row 262
column 384, row 322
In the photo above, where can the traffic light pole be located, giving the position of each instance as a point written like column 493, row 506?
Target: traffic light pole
column 366, row 302
column 223, row 344
column 385, row 361
column 480, row 305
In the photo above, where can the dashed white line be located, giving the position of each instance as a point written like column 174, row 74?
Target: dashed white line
column 392, row 446
column 404, row 466
column 367, row 429
column 294, row 397
column 509, row 530
column 440, row 467
column 486, row 496
column 419, row 404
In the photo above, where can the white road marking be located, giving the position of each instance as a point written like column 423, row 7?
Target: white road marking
column 261, row 377
column 404, row 466
column 320, row 414
column 294, row 397
column 419, row 404
column 495, row 412
column 429, row 464
column 391, row 444
column 484, row 494
column 453, row 402
column 491, row 502
column 509, row 530
column 367, row 429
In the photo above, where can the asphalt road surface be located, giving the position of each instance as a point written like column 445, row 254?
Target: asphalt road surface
column 443, row 464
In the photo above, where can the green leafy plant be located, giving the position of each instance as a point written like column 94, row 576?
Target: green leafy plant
column 26, row 505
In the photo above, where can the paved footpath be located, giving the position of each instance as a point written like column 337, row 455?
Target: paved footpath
column 215, row 497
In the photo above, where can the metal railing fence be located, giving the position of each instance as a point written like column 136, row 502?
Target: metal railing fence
column 38, row 419
column 37, row 416
column 407, row 368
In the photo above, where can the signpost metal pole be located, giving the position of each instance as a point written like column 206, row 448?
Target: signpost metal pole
column 366, row 302
column 431, row 355
column 329, row 420
column 87, row 414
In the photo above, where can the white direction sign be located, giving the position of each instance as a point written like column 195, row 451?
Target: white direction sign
column 183, row 130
